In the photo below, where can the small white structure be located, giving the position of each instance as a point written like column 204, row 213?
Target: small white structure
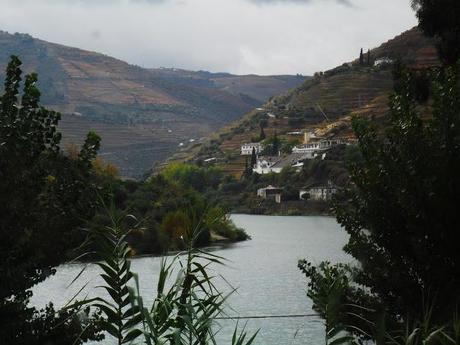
column 275, row 164
column 270, row 192
column 267, row 165
column 319, row 192
column 383, row 61
column 313, row 148
column 271, row 115
column 246, row 149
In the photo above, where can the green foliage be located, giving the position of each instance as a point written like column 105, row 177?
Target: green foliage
column 262, row 135
column 167, row 202
column 192, row 176
column 440, row 19
column 121, row 317
column 287, row 146
column 184, row 309
column 402, row 217
column 44, row 197
column 402, row 209
column 253, row 157
column 329, row 288
column 334, row 293
column 321, row 171
column 272, row 146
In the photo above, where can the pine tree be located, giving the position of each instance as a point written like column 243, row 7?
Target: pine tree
column 361, row 57
column 253, row 157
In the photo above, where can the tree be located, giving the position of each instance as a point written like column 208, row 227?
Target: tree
column 368, row 58
column 361, row 57
column 276, row 144
column 247, row 169
column 44, row 195
column 253, row 158
column 403, row 211
column 262, row 133
column 440, row 19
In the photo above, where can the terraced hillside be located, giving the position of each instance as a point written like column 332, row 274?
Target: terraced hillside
column 143, row 115
column 351, row 87
column 323, row 104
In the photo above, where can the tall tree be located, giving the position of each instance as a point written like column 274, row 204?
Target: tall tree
column 402, row 214
column 44, row 195
column 361, row 57
column 368, row 57
column 441, row 19
column 247, row 169
column 253, row 157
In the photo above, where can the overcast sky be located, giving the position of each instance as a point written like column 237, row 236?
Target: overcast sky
column 237, row 36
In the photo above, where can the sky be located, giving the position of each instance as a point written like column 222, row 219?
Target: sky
column 237, row 36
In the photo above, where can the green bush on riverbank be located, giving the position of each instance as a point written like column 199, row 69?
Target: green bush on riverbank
column 162, row 202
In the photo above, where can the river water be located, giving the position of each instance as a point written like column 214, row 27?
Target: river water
column 264, row 270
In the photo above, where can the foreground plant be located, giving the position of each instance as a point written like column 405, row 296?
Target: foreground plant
column 184, row 309
column 44, row 197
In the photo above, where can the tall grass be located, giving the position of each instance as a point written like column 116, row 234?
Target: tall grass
column 187, row 300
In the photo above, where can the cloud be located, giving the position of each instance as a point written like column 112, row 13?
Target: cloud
column 309, row 2
column 234, row 36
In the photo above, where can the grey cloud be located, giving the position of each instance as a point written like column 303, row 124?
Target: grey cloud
column 238, row 36
column 263, row 2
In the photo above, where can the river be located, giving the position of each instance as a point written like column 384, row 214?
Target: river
column 264, row 270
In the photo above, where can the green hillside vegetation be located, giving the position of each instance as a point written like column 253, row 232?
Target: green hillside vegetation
column 168, row 106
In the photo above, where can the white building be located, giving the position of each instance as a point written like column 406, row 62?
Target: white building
column 246, row 149
column 316, row 147
column 267, row 165
column 274, row 164
column 383, row 61
column 319, row 192
column 270, row 192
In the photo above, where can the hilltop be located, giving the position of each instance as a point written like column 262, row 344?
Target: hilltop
column 143, row 115
column 323, row 104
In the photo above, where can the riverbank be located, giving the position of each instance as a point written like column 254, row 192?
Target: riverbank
column 248, row 204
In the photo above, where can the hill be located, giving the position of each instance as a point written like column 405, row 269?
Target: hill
column 323, row 104
column 141, row 114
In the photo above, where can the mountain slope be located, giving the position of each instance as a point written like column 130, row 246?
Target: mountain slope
column 323, row 104
column 141, row 114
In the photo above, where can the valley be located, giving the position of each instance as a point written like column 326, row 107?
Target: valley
column 142, row 115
